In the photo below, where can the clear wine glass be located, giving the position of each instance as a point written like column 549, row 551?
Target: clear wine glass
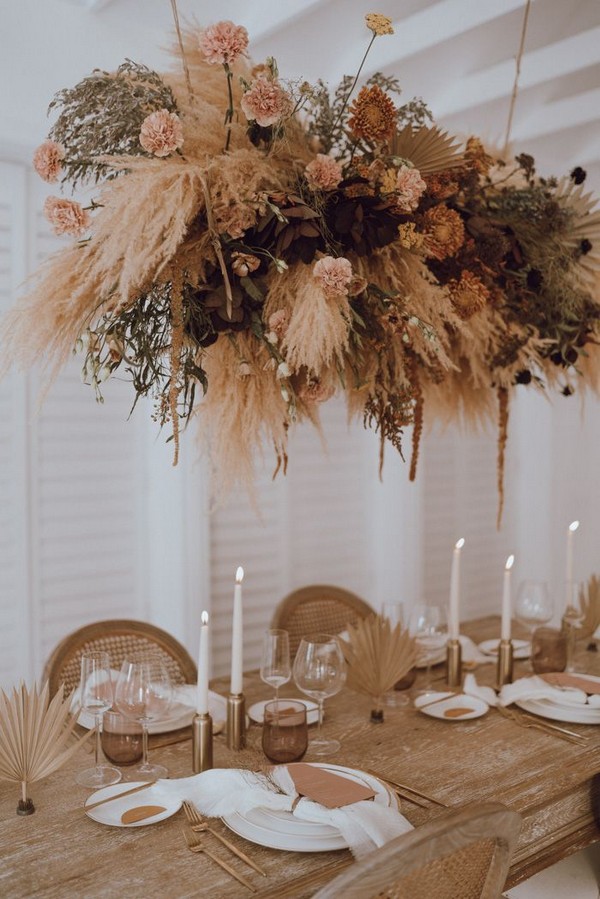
column 533, row 605
column 396, row 614
column 275, row 666
column 320, row 671
column 144, row 693
column 96, row 697
column 571, row 620
column 431, row 634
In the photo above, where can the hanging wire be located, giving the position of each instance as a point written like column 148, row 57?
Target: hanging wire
column 515, row 89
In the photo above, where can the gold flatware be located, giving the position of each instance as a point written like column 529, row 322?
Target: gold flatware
column 525, row 720
column 404, row 788
column 195, row 844
column 88, row 808
column 199, row 825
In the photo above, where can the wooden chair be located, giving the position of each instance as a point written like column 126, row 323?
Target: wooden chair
column 464, row 854
column 319, row 608
column 119, row 638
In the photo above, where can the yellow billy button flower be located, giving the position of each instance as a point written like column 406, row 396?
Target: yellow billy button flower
column 379, row 24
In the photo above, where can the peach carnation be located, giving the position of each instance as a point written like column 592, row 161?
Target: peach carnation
column 410, row 187
column 161, row 133
column 266, row 102
column 223, row 42
column 66, row 216
column 314, row 391
column 323, row 173
column 334, row 275
column 278, row 322
column 47, row 160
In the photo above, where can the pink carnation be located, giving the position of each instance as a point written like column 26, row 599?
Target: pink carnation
column 47, row 160
column 323, row 173
column 334, row 275
column 161, row 133
column 66, row 216
column 266, row 102
column 222, row 43
column 410, row 187
column 278, row 322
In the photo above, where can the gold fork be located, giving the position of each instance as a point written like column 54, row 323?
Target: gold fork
column 199, row 825
column 195, row 844
column 551, row 729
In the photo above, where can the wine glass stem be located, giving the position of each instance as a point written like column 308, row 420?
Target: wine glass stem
column 97, row 744
column 320, row 722
column 277, row 693
column 144, row 743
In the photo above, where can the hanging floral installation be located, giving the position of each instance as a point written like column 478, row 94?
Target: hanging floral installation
column 258, row 245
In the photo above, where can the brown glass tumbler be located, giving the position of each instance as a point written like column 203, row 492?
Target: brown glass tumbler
column 548, row 650
column 285, row 731
column 121, row 739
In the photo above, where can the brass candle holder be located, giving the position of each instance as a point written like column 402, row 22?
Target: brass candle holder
column 202, row 743
column 236, row 721
column 504, row 671
column 454, row 663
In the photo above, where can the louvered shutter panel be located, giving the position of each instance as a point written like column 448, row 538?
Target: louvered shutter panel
column 86, row 493
column 15, row 657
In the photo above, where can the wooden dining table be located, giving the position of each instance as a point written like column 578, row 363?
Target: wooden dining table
column 60, row 852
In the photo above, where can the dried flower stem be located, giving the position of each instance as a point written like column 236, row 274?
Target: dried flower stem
column 216, row 244
column 353, row 85
column 502, row 438
column 186, row 70
column 515, row 89
column 417, row 417
column 229, row 112
column 176, row 347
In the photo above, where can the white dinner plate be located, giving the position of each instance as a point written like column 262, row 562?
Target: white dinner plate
column 573, row 714
column 521, row 648
column 281, row 830
column 256, row 712
column 179, row 716
column 110, row 813
column 444, row 705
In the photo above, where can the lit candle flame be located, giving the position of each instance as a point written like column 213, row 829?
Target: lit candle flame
column 460, row 543
column 573, row 526
column 204, row 617
column 239, row 575
column 509, row 562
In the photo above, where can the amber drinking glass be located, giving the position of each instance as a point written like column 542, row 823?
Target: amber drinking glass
column 285, row 731
column 121, row 739
column 548, row 650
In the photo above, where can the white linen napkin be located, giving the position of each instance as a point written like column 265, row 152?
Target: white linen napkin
column 364, row 825
column 471, row 654
column 537, row 688
column 472, row 688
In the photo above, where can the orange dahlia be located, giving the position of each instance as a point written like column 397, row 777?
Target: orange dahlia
column 373, row 115
column 469, row 295
column 444, row 231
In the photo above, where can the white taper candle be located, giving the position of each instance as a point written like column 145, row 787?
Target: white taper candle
column 203, row 654
column 237, row 637
column 454, row 610
column 506, row 601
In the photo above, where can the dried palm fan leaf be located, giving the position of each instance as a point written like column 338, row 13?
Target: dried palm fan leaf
column 377, row 656
column 590, row 607
column 34, row 737
column 583, row 232
column 429, row 149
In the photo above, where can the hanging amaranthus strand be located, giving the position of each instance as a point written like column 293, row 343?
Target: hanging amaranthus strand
column 502, row 438
column 176, row 346
column 417, row 417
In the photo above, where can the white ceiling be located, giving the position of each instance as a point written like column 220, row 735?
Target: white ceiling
column 457, row 54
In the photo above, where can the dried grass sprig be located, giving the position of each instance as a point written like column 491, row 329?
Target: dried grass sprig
column 35, row 734
column 377, row 655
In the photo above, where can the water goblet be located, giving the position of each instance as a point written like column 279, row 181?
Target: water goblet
column 144, row 694
column 275, row 667
column 431, row 634
column 571, row 620
column 319, row 672
column 533, row 605
column 285, row 731
column 121, row 739
column 96, row 697
column 396, row 614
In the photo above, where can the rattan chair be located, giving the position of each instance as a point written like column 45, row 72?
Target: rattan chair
column 464, row 854
column 319, row 608
column 119, row 638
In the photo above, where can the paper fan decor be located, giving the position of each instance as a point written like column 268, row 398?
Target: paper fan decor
column 35, row 737
column 429, row 149
column 377, row 656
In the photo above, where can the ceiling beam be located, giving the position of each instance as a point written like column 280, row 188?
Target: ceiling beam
column 550, row 118
column 539, row 66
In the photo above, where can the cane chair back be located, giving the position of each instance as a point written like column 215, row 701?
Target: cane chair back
column 120, row 639
column 461, row 855
column 319, row 608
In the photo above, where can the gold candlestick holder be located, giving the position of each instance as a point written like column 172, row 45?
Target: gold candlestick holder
column 202, row 743
column 454, row 663
column 236, row 721
column 504, row 671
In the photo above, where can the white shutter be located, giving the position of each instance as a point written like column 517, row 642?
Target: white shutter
column 85, row 518
column 15, row 658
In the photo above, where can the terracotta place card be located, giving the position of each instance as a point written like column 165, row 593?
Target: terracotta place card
column 141, row 812
column 562, row 679
column 326, row 788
